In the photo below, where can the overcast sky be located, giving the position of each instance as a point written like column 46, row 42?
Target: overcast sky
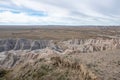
column 56, row 12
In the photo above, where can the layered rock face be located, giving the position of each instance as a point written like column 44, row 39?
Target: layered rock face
column 21, row 47
column 12, row 58
column 7, row 44
column 22, row 44
column 92, row 45
column 83, row 46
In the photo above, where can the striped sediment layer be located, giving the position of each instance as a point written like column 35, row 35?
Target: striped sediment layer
column 80, row 45
column 22, row 44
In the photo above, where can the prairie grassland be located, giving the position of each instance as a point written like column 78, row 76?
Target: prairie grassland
column 60, row 33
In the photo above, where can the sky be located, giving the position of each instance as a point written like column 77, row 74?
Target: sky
column 60, row 12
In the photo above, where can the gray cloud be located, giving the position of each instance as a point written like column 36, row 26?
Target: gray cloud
column 87, row 12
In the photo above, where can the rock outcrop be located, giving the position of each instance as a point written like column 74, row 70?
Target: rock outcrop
column 83, row 46
column 7, row 44
column 20, row 55
column 92, row 45
column 10, row 60
column 11, row 55
column 39, row 44
column 22, row 44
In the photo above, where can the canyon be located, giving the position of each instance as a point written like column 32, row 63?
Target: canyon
column 60, row 54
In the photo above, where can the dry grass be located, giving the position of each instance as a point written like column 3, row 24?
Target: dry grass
column 56, row 68
column 58, row 33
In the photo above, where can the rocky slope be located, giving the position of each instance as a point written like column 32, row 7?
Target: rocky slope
column 103, row 65
column 82, row 45
column 92, row 45
column 65, row 58
column 22, row 44
column 14, row 50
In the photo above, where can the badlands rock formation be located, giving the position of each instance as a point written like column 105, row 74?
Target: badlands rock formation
column 92, row 45
column 12, row 58
column 83, row 46
column 25, row 57
column 22, row 44
column 13, row 50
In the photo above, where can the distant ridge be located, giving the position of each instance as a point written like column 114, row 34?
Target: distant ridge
column 56, row 26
